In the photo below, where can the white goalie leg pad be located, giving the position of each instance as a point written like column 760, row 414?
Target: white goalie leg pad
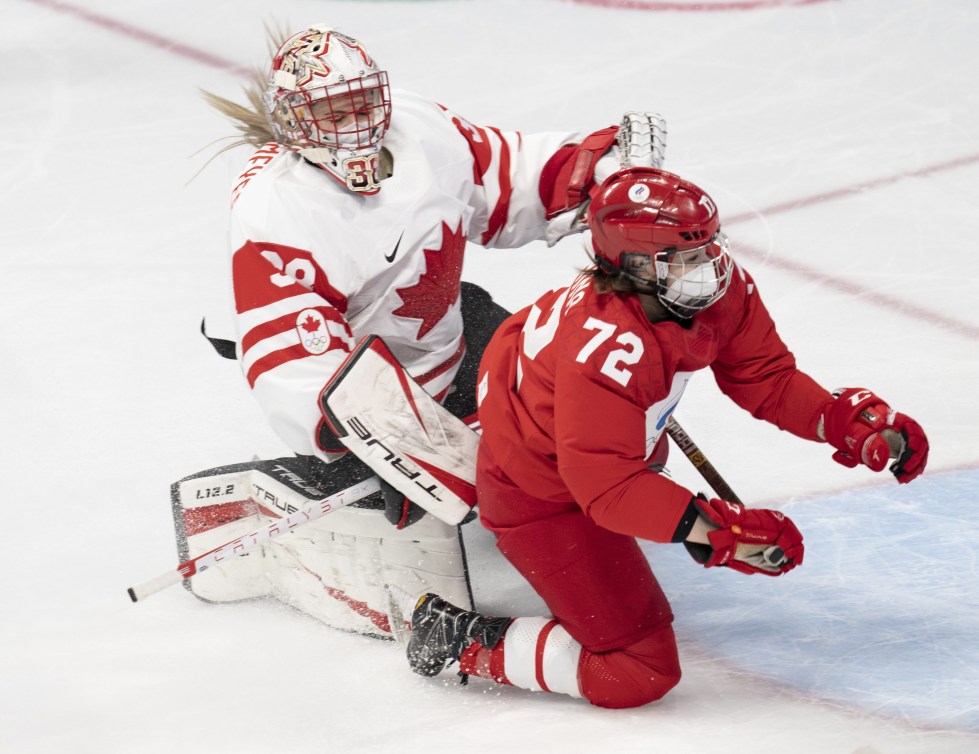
column 407, row 438
column 342, row 569
column 209, row 511
column 540, row 655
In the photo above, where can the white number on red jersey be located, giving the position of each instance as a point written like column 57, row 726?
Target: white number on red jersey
column 536, row 338
column 298, row 270
column 631, row 354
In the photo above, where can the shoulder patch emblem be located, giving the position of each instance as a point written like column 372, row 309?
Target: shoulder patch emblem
column 313, row 335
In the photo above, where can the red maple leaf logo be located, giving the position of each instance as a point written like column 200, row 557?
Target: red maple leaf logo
column 310, row 324
column 438, row 287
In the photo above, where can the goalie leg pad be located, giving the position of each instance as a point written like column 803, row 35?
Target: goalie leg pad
column 343, row 568
column 209, row 509
column 340, row 569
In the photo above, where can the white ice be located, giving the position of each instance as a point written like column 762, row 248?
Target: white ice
column 841, row 141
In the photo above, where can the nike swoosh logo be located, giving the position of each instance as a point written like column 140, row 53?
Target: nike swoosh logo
column 395, row 252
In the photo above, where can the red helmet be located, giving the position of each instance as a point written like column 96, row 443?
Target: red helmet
column 662, row 233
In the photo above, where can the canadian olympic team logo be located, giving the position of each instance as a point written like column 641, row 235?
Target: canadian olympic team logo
column 313, row 333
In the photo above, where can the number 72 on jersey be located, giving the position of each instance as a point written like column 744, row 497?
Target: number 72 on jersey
column 616, row 364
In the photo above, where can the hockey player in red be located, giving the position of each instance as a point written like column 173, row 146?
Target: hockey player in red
column 574, row 394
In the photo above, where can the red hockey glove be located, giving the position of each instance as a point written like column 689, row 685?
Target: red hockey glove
column 858, row 424
column 749, row 540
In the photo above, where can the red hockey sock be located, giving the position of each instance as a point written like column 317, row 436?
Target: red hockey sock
column 485, row 663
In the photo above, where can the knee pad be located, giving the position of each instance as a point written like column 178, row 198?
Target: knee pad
column 632, row 676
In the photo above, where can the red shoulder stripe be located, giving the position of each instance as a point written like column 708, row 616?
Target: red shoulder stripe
column 502, row 209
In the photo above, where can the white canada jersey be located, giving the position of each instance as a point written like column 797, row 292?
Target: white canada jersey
column 317, row 267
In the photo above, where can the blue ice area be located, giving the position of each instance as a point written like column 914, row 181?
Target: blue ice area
column 883, row 614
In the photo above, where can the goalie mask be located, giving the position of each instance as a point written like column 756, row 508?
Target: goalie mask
column 661, row 233
column 327, row 99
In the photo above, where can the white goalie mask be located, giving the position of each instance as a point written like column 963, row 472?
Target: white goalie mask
column 327, row 99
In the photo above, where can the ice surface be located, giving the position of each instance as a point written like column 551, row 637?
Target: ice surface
column 839, row 139
column 881, row 615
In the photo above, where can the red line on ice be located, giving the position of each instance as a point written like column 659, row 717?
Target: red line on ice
column 846, row 286
column 816, row 275
column 840, row 193
column 141, row 35
column 721, row 5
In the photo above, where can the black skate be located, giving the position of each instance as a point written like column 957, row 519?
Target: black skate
column 441, row 632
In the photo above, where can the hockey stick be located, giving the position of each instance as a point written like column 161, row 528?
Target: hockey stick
column 700, row 462
column 249, row 542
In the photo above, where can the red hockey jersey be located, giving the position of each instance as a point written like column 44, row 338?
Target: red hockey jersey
column 575, row 392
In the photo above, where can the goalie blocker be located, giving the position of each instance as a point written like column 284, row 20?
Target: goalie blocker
column 346, row 568
column 410, row 440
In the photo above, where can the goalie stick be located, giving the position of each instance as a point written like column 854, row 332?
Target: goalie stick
column 773, row 555
column 248, row 542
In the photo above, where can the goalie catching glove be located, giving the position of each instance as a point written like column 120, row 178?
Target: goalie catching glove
column 749, row 540
column 638, row 141
column 864, row 429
